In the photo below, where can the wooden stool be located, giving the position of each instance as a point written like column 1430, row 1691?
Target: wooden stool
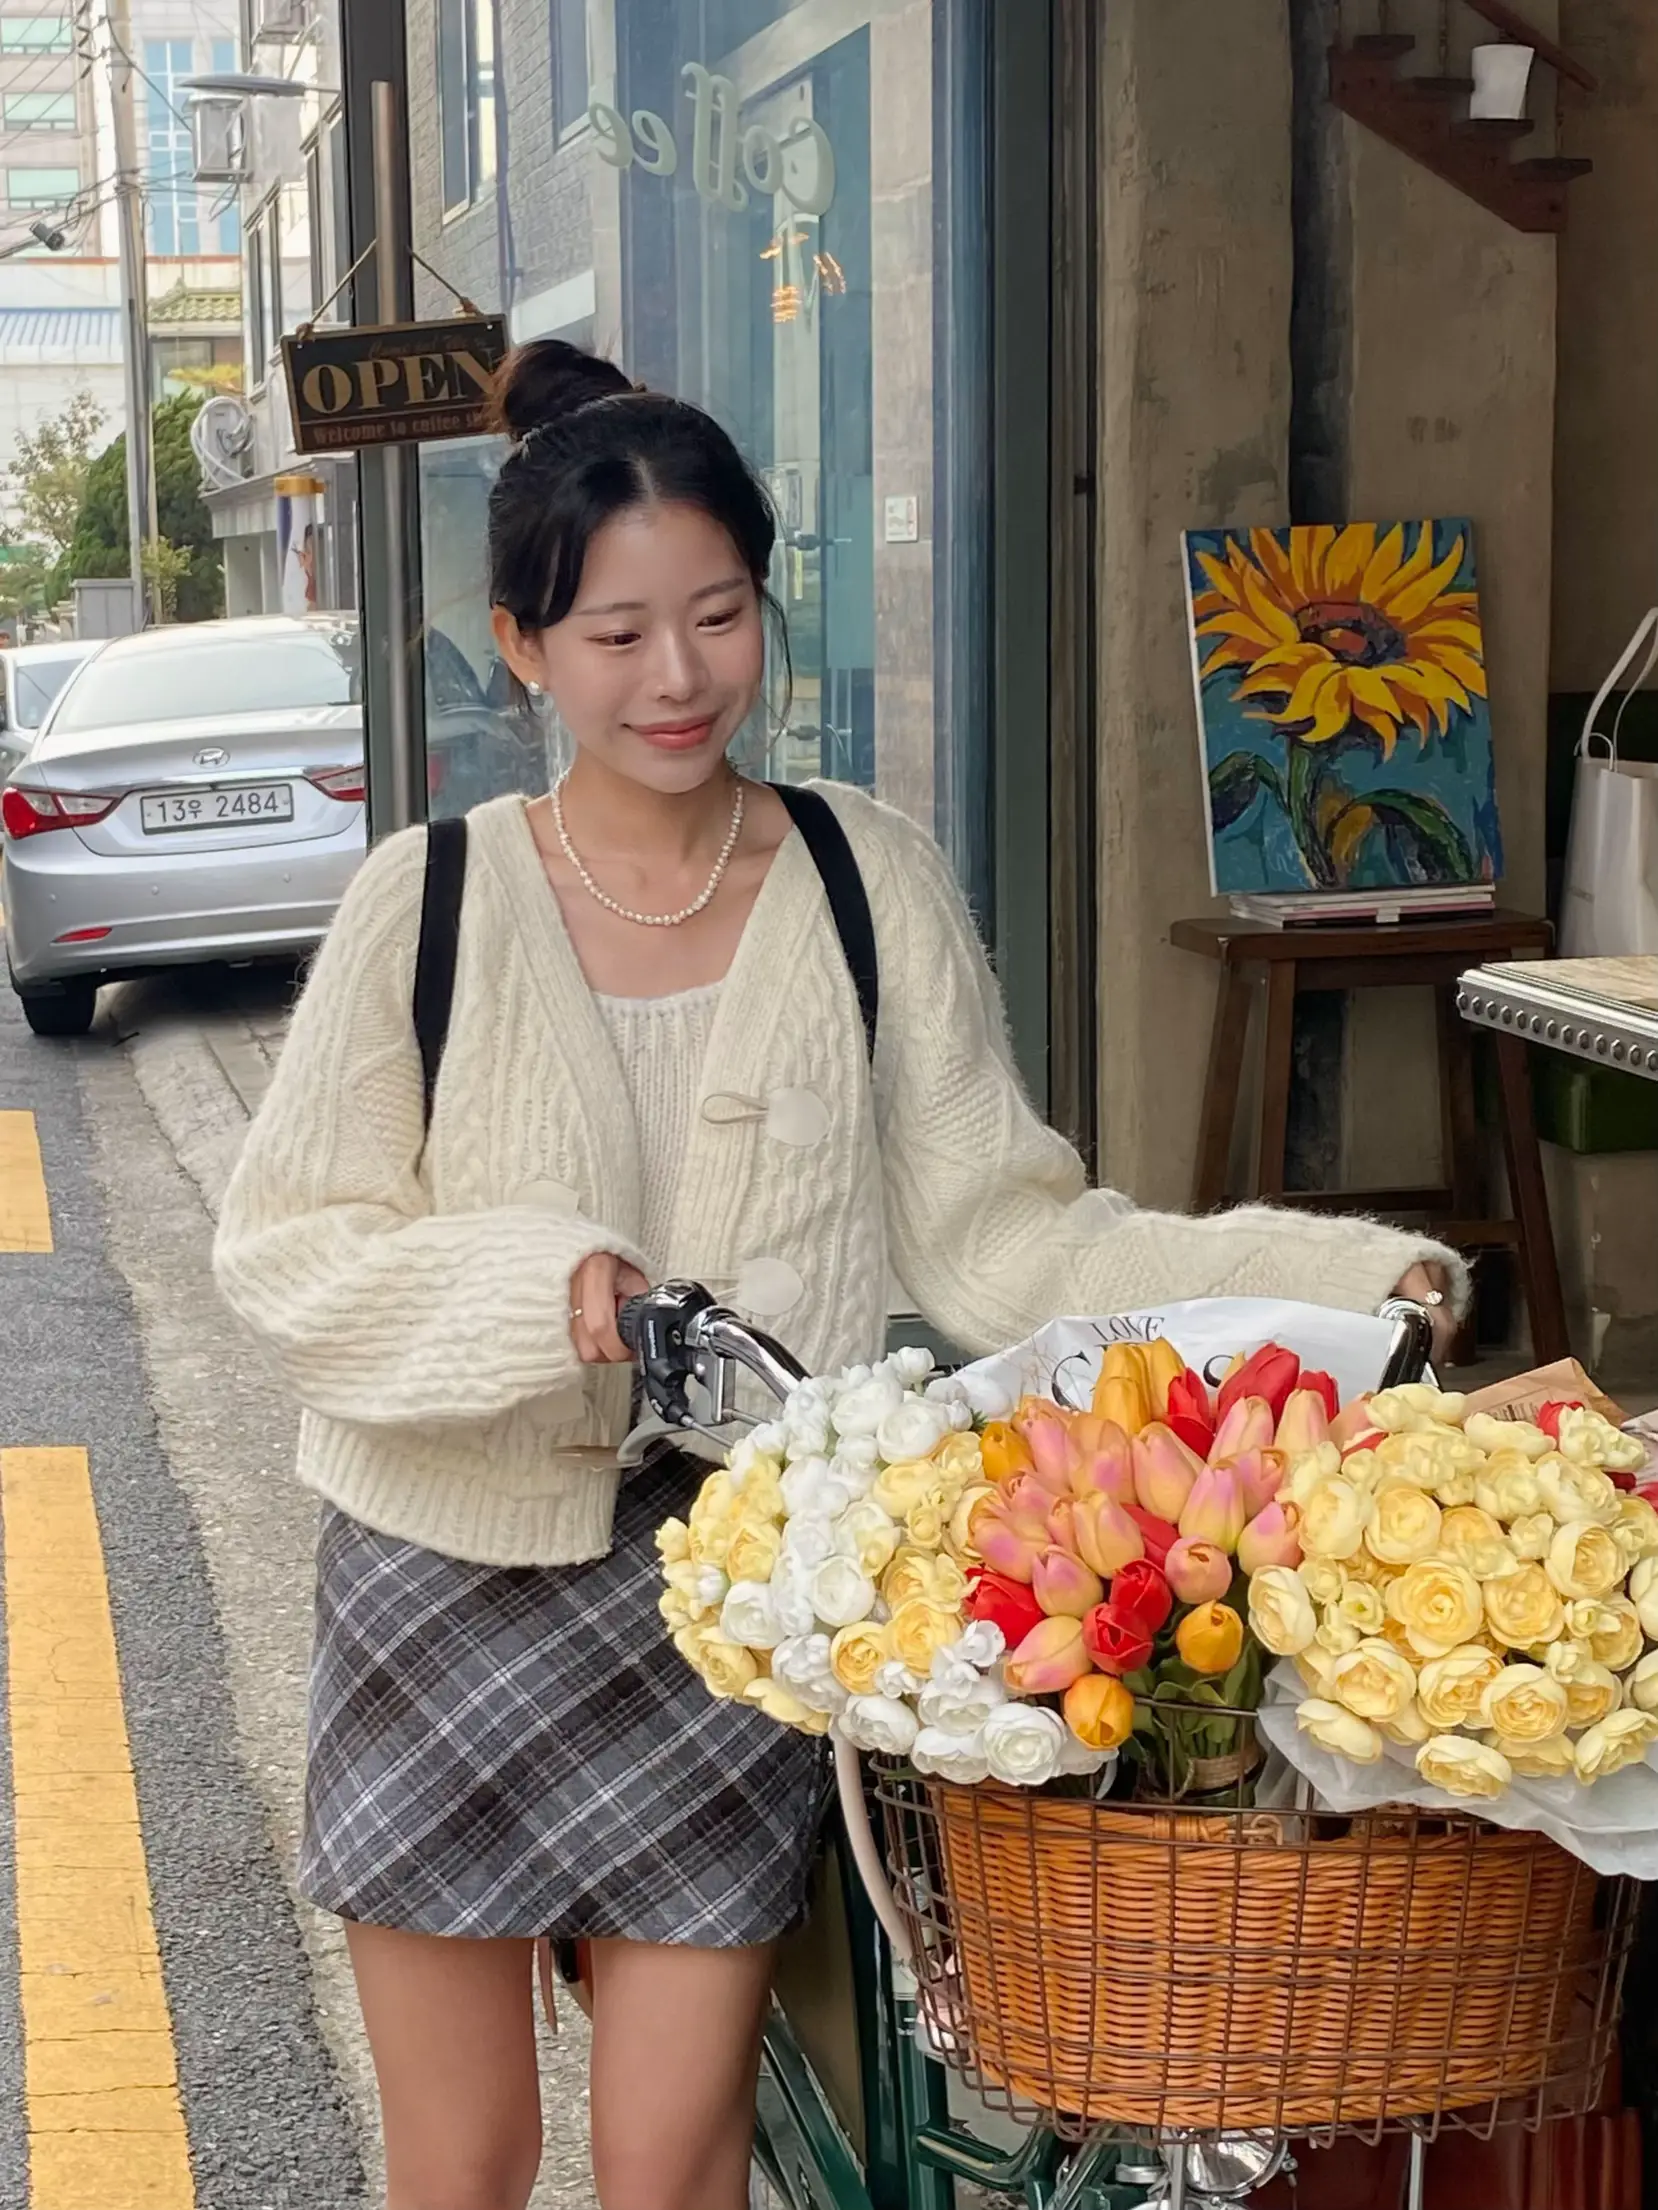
column 1432, row 954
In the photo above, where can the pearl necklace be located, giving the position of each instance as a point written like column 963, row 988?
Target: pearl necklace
column 650, row 920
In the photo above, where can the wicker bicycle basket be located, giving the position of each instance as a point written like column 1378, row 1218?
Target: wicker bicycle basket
column 1184, row 1971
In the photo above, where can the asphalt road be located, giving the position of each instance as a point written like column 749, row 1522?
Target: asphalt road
column 114, row 1343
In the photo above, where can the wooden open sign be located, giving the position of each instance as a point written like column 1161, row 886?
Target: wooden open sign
column 396, row 383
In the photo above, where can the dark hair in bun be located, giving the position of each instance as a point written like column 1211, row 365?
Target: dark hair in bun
column 588, row 445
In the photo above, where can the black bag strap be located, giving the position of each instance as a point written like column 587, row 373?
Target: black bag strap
column 843, row 886
column 440, row 928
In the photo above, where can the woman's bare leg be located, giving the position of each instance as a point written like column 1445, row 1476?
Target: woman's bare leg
column 676, row 2051
column 452, row 2028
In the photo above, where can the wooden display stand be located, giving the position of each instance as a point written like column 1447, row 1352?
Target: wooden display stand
column 1432, row 955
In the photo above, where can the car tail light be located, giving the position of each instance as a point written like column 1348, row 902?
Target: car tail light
column 27, row 812
column 83, row 936
column 348, row 784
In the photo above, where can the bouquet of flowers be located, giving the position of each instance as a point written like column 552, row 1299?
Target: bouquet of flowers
column 999, row 1590
column 1482, row 1593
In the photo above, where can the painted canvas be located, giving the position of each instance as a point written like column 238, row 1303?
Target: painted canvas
column 1342, row 706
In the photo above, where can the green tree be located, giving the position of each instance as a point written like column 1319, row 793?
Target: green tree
column 47, row 480
column 25, row 583
column 99, row 544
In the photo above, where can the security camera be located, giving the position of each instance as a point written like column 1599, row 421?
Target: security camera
column 44, row 234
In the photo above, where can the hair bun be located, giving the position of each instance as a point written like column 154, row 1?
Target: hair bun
column 546, row 381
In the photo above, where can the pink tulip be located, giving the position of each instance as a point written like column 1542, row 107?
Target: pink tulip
column 1108, row 1468
column 1248, row 1425
column 1049, row 1659
column 1025, row 1504
column 1215, row 1509
column 1064, row 1586
column 1106, row 1538
column 1352, row 1421
column 1198, row 1572
column 1164, row 1471
column 1061, row 1525
column 1005, row 1550
column 1270, row 1539
column 1052, row 1452
column 1305, row 1423
column 1261, row 1473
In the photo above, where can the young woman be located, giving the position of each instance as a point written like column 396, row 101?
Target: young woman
column 656, row 1065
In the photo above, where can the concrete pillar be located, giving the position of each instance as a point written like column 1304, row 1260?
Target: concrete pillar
column 1195, row 306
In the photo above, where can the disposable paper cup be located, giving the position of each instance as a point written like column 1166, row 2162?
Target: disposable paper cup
column 1501, row 73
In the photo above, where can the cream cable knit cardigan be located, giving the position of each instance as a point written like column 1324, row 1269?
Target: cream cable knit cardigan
column 417, row 1297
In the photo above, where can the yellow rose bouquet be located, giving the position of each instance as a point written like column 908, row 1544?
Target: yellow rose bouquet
column 1479, row 1595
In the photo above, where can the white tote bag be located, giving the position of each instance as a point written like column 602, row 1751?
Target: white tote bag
column 1610, row 901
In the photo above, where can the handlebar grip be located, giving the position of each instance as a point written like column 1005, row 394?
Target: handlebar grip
column 630, row 1323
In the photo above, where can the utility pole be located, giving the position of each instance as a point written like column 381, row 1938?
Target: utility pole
column 142, row 524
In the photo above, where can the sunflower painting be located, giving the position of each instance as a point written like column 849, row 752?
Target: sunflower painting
column 1341, row 696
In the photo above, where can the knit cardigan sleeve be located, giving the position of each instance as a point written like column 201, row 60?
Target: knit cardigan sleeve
column 378, row 1310
column 992, row 1226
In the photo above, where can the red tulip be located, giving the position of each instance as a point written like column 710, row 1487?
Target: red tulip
column 1190, row 1414
column 1548, row 1419
column 1142, row 1597
column 1006, row 1604
column 1157, row 1535
column 1325, row 1384
column 1115, row 1645
column 1270, row 1373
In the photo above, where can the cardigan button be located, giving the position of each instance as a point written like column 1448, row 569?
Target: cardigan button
column 555, row 1196
column 797, row 1117
column 767, row 1287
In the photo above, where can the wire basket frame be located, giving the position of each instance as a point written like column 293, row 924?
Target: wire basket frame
column 1173, row 1972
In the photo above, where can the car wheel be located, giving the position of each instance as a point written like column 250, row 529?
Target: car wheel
column 65, row 1011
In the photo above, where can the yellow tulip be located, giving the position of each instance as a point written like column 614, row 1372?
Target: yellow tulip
column 1123, row 1399
column 1005, row 1452
column 1099, row 1711
column 1163, row 1364
column 1210, row 1639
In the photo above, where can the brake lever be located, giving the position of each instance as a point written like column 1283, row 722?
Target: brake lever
column 654, row 1327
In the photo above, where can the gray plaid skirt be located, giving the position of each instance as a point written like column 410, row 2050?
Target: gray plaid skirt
column 522, row 1751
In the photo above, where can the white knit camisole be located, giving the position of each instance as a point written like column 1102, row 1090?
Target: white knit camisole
column 662, row 1044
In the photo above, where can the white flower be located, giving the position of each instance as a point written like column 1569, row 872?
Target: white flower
column 771, row 1440
column 1077, row 1757
column 791, row 1596
column 988, row 1398
column 804, row 1483
column 809, row 1537
column 957, row 1757
column 878, row 1723
column 862, row 1408
column 808, row 1434
column 802, row 1665
column 960, row 1707
column 842, row 1592
column 912, row 1429
column 946, row 1389
column 1024, row 1743
column 981, row 1644
column 747, row 1457
column 896, row 1679
column 912, row 1363
column 749, row 1616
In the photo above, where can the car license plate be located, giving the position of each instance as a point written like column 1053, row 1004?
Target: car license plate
column 216, row 809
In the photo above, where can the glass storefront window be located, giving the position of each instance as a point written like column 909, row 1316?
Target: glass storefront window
column 748, row 207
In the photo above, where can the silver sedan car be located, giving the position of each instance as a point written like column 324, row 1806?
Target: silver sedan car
column 196, row 794
column 31, row 677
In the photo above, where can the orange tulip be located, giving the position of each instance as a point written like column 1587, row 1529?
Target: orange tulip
column 1124, row 1401
column 1099, row 1711
column 1005, row 1454
column 1210, row 1639
column 1164, row 1365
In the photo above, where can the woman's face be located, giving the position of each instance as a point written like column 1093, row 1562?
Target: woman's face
column 657, row 665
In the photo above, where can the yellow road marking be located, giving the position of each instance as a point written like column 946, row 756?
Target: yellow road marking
column 25, row 1215
column 106, row 2127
